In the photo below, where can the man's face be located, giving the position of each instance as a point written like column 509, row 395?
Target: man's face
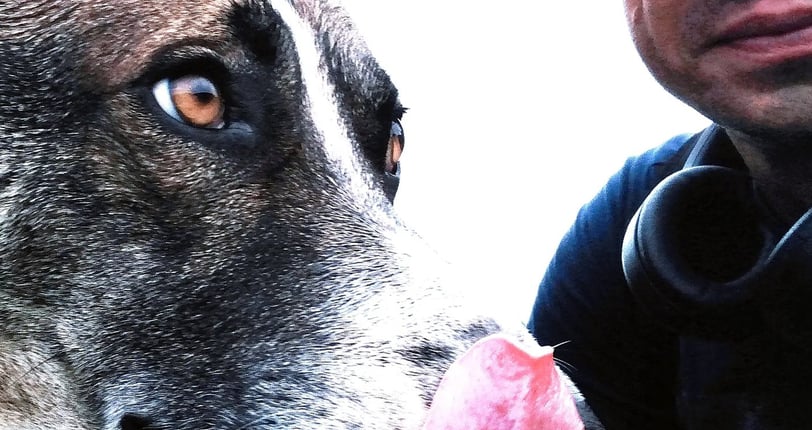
column 746, row 64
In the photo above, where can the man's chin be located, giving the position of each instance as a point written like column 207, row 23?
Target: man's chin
column 781, row 115
column 770, row 132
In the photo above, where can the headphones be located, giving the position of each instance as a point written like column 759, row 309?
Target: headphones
column 703, row 255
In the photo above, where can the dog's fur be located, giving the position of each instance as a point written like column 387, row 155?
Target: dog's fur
column 157, row 275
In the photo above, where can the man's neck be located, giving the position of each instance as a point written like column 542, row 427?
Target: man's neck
column 782, row 172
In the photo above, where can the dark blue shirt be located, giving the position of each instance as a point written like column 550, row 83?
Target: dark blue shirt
column 622, row 361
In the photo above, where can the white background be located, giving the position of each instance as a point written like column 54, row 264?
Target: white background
column 520, row 110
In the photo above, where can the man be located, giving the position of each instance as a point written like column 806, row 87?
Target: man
column 747, row 65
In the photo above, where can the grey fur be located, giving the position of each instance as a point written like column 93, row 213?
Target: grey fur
column 158, row 276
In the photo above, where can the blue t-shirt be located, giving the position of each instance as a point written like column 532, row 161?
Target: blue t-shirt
column 621, row 360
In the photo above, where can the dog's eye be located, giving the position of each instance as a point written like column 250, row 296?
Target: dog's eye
column 191, row 99
column 395, row 147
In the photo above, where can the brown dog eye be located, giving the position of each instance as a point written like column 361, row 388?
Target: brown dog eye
column 191, row 99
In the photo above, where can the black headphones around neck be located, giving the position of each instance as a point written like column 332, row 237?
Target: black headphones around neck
column 703, row 255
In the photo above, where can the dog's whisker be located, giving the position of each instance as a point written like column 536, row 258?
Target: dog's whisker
column 560, row 344
column 20, row 379
column 560, row 362
column 564, row 364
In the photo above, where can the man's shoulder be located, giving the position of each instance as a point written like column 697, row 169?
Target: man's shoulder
column 667, row 158
column 626, row 190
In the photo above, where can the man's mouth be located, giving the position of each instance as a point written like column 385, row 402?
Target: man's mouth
column 498, row 385
column 766, row 36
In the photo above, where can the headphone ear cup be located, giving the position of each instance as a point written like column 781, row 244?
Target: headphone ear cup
column 695, row 250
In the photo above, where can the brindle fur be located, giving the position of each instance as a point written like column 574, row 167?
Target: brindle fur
column 160, row 276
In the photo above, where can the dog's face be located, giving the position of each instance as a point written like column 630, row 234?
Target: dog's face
column 193, row 232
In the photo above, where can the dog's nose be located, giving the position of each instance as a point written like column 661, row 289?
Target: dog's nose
column 134, row 422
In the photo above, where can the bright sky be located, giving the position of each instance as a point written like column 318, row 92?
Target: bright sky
column 520, row 110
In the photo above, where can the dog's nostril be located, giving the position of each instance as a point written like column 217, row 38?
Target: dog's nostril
column 134, row 422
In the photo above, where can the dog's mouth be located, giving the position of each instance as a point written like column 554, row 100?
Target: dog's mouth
column 497, row 385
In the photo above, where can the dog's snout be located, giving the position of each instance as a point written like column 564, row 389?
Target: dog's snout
column 135, row 422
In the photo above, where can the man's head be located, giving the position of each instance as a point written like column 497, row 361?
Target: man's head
column 746, row 64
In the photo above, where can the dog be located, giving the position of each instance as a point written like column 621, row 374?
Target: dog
column 193, row 227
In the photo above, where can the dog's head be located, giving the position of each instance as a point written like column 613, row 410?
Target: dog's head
column 193, row 228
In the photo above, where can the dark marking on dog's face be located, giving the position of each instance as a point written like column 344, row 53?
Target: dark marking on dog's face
column 193, row 232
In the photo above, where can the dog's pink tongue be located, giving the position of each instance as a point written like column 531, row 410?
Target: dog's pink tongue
column 497, row 385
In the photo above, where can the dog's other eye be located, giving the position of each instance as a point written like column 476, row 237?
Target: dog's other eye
column 395, row 147
column 191, row 99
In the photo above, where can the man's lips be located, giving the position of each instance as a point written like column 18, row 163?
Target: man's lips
column 764, row 26
column 767, row 37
